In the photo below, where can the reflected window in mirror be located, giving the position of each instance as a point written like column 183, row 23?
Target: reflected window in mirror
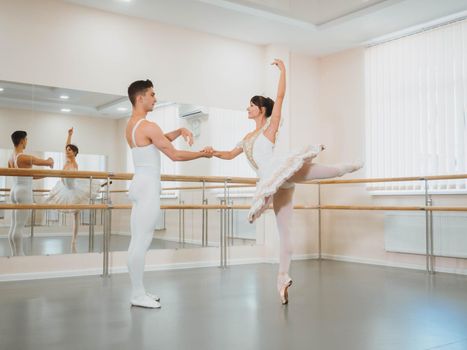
column 86, row 162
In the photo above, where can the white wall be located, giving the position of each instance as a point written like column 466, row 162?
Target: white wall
column 58, row 44
column 48, row 132
column 358, row 235
column 54, row 43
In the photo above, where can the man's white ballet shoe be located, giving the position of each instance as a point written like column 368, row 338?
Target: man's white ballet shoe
column 145, row 301
column 153, row 296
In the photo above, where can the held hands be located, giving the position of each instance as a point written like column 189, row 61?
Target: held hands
column 187, row 135
column 279, row 63
column 208, row 151
column 50, row 160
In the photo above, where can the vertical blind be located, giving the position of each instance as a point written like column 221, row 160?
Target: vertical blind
column 416, row 107
column 227, row 128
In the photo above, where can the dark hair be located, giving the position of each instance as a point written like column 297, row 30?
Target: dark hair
column 18, row 136
column 138, row 87
column 73, row 148
column 266, row 102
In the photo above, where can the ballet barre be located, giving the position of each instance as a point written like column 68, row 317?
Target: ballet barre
column 428, row 208
column 101, row 175
column 390, row 179
column 226, row 205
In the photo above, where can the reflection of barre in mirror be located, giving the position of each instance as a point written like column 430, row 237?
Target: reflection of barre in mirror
column 278, row 172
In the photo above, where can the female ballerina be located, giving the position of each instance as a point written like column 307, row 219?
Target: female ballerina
column 278, row 173
column 71, row 191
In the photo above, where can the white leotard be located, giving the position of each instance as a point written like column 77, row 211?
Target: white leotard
column 145, row 195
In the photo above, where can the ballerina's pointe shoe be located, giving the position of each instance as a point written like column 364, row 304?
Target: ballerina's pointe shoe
column 145, row 301
column 284, row 290
column 153, row 296
column 357, row 166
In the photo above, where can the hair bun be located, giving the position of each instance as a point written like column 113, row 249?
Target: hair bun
column 269, row 104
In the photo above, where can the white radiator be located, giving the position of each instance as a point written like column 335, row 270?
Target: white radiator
column 405, row 233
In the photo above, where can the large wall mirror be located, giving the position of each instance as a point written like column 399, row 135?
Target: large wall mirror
column 98, row 121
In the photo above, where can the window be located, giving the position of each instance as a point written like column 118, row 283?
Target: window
column 227, row 128
column 416, row 108
column 86, row 162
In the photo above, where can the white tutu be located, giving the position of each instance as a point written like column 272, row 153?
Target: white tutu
column 73, row 191
column 274, row 174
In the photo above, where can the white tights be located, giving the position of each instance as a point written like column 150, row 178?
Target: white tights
column 75, row 230
column 283, row 207
column 144, row 193
column 21, row 193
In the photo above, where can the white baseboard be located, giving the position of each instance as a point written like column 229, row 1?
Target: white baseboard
column 49, row 274
column 368, row 261
column 294, row 257
column 122, row 269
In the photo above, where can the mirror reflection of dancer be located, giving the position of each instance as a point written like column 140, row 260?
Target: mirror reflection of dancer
column 72, row 191
column 278, row 173
column 21, row 190
column 146, row 140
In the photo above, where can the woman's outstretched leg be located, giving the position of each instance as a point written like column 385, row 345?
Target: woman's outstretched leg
column 283, row 208
column 313, row 171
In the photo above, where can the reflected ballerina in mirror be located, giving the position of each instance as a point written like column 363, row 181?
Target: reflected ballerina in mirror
column 72, row 191
column 21, row 189
column 278, row 172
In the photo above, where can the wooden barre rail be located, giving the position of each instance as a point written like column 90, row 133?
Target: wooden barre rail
column 236, row 206
column 215, row 179
column 128, row 206
column 163, row 189
column 120, row 176
column 205, row 187
column 390, row 179
column 41, row 190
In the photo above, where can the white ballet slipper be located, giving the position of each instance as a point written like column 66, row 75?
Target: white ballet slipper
column 145, row 301
column 153, row 296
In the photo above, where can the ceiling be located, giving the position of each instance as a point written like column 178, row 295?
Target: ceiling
column 314, row 27
column 48, row 99
column 62, row 101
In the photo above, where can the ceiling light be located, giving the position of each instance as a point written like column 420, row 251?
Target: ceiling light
column 122, row 109
column 1, row 89
column 64, row 97
column 66, row 110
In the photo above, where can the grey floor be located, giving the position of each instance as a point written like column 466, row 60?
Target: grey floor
column 333, row 305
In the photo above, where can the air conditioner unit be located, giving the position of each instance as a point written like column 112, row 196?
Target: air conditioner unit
column 193, row 113
column 189, row 111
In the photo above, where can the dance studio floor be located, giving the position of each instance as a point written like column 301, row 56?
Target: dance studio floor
column 333, row 305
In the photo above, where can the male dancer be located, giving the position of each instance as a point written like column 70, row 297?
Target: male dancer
column 21, row 190
column 146, row 140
